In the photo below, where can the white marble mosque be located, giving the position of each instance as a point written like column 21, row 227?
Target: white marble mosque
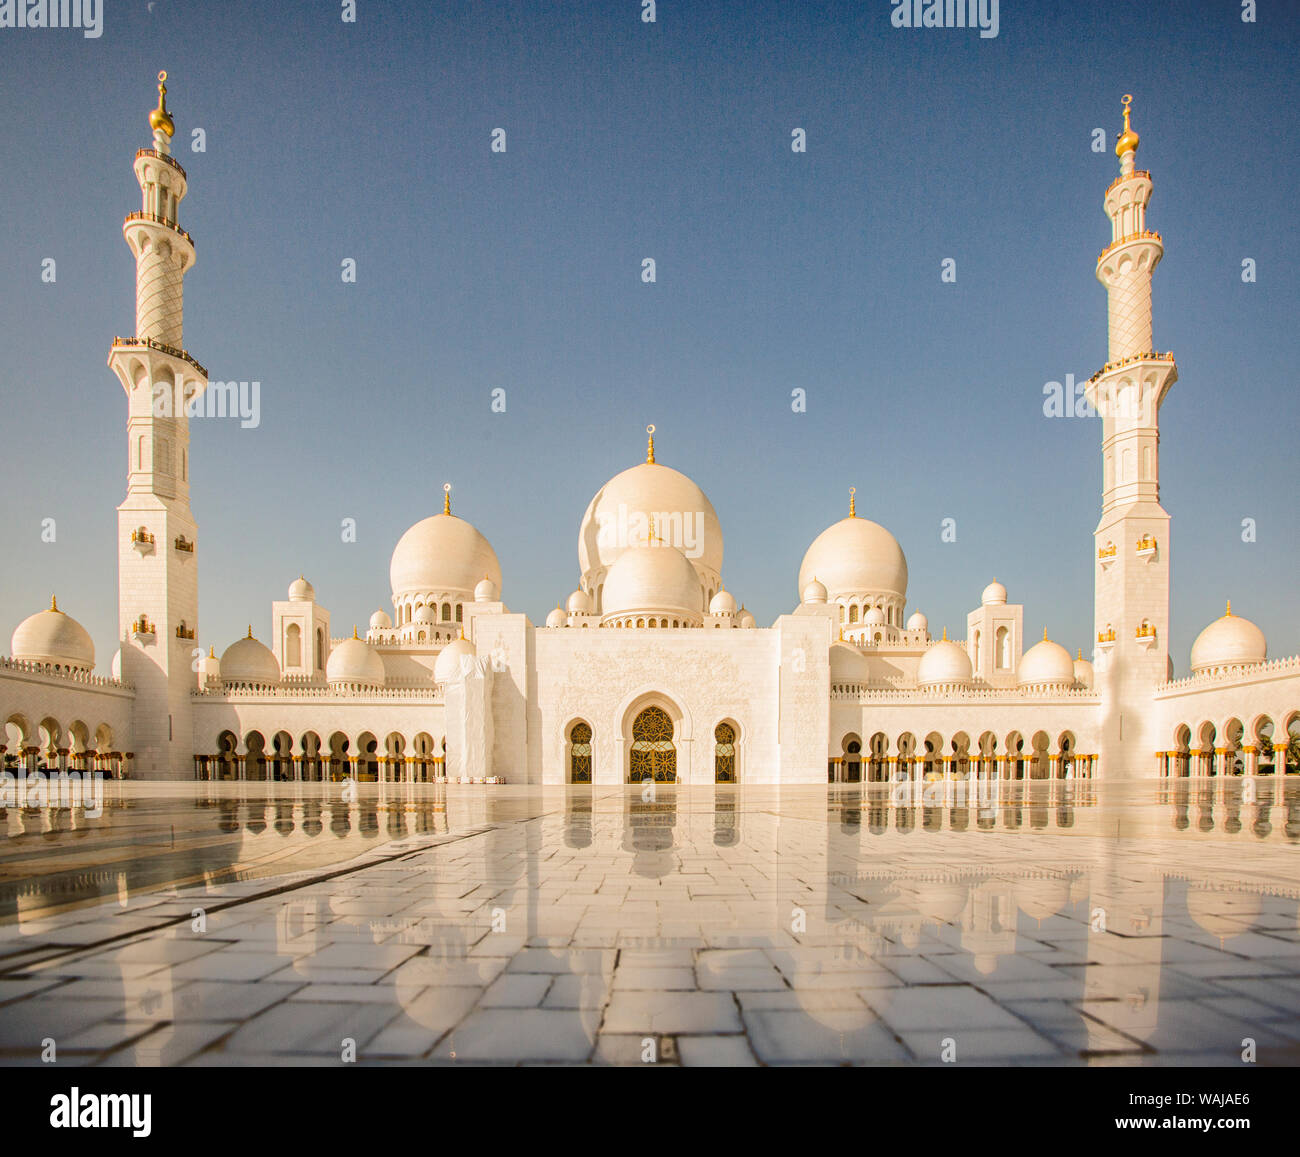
column 650, row 667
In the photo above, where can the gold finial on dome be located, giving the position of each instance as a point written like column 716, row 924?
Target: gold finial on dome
column 853, row 502
column 1080, row 655
column 446, row 498
column 945, row 634
column 212, row 652
column 1044, row 634
column 160, row 118
column 1128, row 141
column 650, row 445
column 250, row 630
column 54, row 604
column 354, row 631
column 1228, row 613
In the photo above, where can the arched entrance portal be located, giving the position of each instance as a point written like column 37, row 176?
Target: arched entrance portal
column 580, row 753
column 724, row 754
column 653, row 755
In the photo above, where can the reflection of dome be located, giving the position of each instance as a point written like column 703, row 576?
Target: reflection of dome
column 248, row 661
column 918, row 622
column 618, row 514
column 557, row 618
column 946, row 662
column 652, row 579
column 579, row 603
column 1224, row 914
column 1228, row 642
column 1045, row 664
column 995, row 594
column 450, row 660
column 301, row 591
column 380, row 620
column 53, row 637
column 856, row 556
column 814, row 591
column 442, row 554
column 355, row 661
column 848, row 664
column 1083, row 673
column 1041, row 898
column 487, row 591
column 939, row 901
column 723, row 603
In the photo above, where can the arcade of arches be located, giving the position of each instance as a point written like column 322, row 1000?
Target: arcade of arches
column 931, row 757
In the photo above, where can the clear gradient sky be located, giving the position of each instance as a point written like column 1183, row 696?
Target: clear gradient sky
column 328, row 140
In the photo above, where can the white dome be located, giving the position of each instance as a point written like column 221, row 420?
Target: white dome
column 1228, row 642
column 450, row 660
column 723, row 603
column 848, row 664
column 918, row 622
column 1083, row 673
column 657, row 579
column 557, row 618
column 248, row 661
column 579, row 603
column 814, row 592
column 301, row 591
column 53, row 637
column 1045, row 663
column 874, row 617
column 355, row 661
column 856, row 557
column 380, row 620
column 745, row 620
column 442, row 554
column 487, row 591
column 995, row 594
column 622, row 508
column 116, row 667
column 945, row 662
column 209, row 667
column 425, row 614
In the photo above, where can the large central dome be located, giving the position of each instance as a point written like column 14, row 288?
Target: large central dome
column 618, row 517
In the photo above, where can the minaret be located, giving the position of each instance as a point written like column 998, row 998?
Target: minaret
column 1132, row 540
column 158, row 600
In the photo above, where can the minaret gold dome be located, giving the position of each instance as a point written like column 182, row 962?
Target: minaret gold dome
column 160, row 118
column 1128, row 141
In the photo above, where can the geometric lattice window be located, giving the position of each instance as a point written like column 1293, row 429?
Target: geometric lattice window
column 580, row 753
column 724, row 753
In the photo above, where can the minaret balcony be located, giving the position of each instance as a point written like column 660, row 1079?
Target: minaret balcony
column 1149, row 356
column 184, row 632
column 1141, row 235
column 1136, row 174
column 164, row 157
column 141, row 215
column 143, row 541
column 184, row 545
column 142, row 630
column 1145, row 636
column 1146, row 547
column 1107, row 555
column 161, row 347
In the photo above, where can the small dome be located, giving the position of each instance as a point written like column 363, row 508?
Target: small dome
column 451, row 660
column 856, row 556
column 995, row 594
column 116, row 667
column 815, row 591
column 487, row 591
column 918, row 622
column 425, row 614
column 442, row 553
column 380, row 620
column 248, row 661
column 557, row 618
column 723, row 603
column 848, row 664
column 1228, row 642
column 745, row 620
column 55, row 638
column 944, row 663
column 1083, row 673
column 874, row 617
column 579, row 603
column 1045, row 663
column 655, row 578
column 355, row 661
column 301, row 591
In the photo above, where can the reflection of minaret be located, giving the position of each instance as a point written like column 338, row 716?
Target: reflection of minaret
column 158, row 594
column 1132, row 540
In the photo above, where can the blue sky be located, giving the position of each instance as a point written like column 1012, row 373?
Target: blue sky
column 775, row 270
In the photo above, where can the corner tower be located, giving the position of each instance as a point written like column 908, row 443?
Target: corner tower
column 158, row 600
column 1132, row 540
